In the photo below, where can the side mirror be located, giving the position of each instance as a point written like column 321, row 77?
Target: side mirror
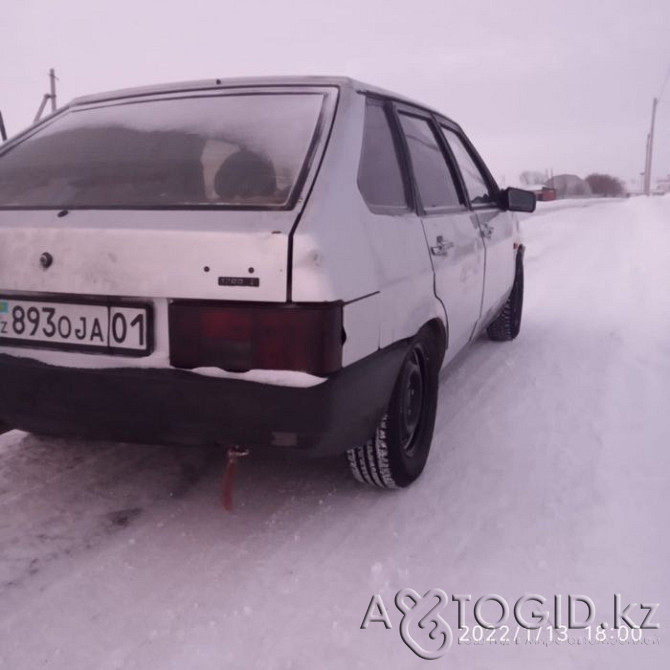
column 517, row 200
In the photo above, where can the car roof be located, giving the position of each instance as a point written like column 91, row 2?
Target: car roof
column 251, row 82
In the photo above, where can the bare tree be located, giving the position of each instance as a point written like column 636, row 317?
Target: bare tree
column 532, row 178
column 605, row 184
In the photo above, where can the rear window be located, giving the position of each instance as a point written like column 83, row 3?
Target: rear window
column 227, row 150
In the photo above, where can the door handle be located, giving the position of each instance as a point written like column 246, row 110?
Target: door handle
column 442, row 247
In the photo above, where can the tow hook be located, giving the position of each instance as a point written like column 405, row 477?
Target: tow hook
column 233, row 455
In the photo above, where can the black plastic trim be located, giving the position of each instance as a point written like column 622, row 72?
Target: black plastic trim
column 168, row 406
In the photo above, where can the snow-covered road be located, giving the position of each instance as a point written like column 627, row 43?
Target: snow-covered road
column 548, row 475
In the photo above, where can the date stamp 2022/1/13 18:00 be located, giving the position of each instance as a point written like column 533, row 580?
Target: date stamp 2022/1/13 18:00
column 530, row 620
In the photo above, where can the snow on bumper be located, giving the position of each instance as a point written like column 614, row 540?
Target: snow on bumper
column 171, row 406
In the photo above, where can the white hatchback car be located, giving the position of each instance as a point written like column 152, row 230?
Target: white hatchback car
column 271, row 263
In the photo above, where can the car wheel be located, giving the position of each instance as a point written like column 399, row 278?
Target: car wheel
column 507, row 324
column 396, row 455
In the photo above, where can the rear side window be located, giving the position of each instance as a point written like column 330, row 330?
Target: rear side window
column 219, row 150
column 476, row 183
column 431, row 171
column 380, row 177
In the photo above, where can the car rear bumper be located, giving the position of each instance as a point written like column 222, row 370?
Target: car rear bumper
column 179, row 407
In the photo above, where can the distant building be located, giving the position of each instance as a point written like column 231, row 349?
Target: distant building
column 569, row 186
column 542, row 193
column 546, row 193
column 663, row 185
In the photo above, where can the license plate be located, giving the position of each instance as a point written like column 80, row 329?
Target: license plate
column 105, row 328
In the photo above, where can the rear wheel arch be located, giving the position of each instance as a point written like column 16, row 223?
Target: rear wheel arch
column 396, row 454
column 440, row 333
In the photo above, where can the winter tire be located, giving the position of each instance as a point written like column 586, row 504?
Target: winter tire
column 507, row 324
column 396, row 455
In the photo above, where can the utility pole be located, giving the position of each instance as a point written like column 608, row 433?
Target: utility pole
column 51, row 96
column 646, row 165
column 650, row 138
column 52, row 81
column 650, row 150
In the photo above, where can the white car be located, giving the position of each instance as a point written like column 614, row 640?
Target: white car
column 274, row 264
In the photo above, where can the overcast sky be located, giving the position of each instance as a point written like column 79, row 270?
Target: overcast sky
column 562, row 85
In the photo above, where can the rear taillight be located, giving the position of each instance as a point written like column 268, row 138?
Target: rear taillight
column 252, row 336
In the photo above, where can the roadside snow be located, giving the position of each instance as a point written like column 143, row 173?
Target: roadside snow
column 548, row 475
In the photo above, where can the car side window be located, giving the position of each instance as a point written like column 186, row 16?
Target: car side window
column 476, row 183
column 380, row 177
column 433, row 177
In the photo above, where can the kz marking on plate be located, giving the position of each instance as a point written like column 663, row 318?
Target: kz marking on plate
column 239, row 281
column 106, row 328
